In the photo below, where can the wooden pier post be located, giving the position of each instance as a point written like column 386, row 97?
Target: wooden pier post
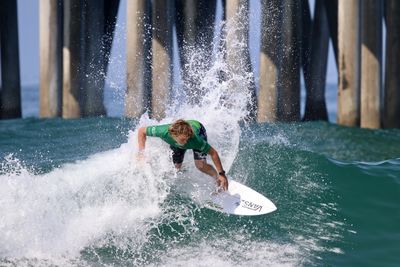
column 138, row 58
column 72, row 50
column 185, row 21
column 391, row 117
column 289, row 93
column 271, row 25
column 371, row 63
column 110, row 20
column 162, row 18
column 194, row 21
column 222, row 37
column 315, row 71
column 331, row 8
column 238, row 56
column 306, row 41
column 94, row 59
column 50, row 23
column 348, row 112
column 10, row 99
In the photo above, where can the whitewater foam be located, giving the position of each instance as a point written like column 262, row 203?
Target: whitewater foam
column 232, row 251
column 111, row 199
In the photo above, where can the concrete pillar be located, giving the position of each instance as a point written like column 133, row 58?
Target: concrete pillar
column 392, row 70
column 306, row 38
column 94, row 59
column 331, row 8
column 10, row 105
column 72, row 59
column 315, row 107
column 222, row 44
column 348, row 112
column 271, row 25
column 238, row 54
column 205, row 23
column 162, row 18
column 50, row 24
column 289, row 95
column 186, row 31
column 194, row 20
column 138, row 58
column 185, row 21
column 110, row 20
column 371, row 63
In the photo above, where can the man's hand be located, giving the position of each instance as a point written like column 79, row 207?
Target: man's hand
column 222, row 182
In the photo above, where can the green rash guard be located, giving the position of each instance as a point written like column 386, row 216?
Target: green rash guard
column 196, row 142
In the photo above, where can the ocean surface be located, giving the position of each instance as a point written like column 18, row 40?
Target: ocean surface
column 72, row 194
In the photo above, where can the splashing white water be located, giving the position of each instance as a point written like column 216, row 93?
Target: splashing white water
column 110, row 199
column 78, row 205
column 239, row 252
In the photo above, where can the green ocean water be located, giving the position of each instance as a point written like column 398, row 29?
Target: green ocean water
column 68, row 197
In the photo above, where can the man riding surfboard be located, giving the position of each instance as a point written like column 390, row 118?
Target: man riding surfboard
column 182, row 135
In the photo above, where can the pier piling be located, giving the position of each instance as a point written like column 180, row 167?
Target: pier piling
column 10, row 100
column 72, row 50
column 238, row 54
column 162, row 19
column 94, row 58
column 317, row 58
column 111, row 8
column 392, row 68
column 194, row 22
column 50, row 27
column 349, row 44
column 289, row 93
column 271, row 24
column 138, row 58
column 331, row 8
column 371, row 63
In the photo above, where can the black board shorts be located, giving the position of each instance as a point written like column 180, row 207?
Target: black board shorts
column 178, row 153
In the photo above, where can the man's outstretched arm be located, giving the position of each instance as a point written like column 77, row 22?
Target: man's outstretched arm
column 142, row 138
column 221, row 178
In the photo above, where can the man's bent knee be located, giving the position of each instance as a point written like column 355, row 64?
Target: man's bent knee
column 178, row 165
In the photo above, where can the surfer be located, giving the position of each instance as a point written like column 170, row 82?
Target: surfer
column 182, row 135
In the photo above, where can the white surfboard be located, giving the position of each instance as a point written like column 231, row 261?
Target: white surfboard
column 240, row 200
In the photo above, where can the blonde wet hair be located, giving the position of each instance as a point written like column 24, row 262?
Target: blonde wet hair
column 181, row 127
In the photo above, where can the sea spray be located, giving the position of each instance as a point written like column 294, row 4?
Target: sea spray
column 78, row 205
column 219, row 101
column 112, row 201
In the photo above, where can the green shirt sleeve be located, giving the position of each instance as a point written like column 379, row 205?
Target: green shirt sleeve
column 158, row 130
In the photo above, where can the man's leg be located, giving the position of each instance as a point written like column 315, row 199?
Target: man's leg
column 178, row 166
column 177, row 156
